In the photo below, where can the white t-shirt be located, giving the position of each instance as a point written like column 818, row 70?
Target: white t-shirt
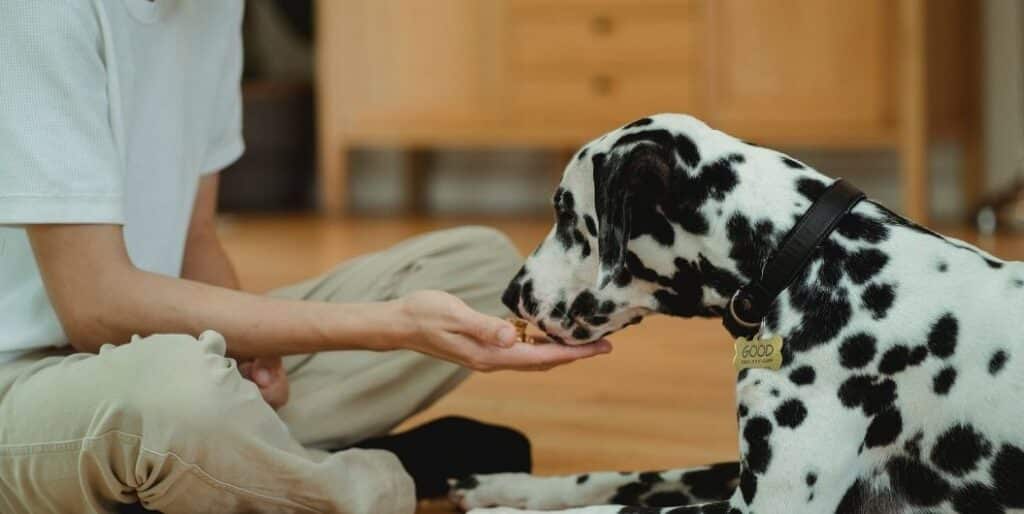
column 110, row 111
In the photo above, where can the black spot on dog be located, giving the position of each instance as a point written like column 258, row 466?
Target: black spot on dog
column 630, row 493
column 826, row 311
column 863, row 265
column 824, row 317
column 638, row 123
column 917, row 355
column 565, row 218
column 1018, row 283
column 792, row 163
column 942, row 336
column 811, row 479
column 996, row 363
column 878, row 298
column 583, row 154
column 722, row 281
column 759, row 452
column 742, row 374
column 510, row 298
column 742, row 411
column 581, row 333
column 858, row 227
column 775, row 392
column 917, row 483
column 832, row 258
column 582, row 478
column 868, row 393
column 650, row 477
column 943, row 266
column 913, row 445
column 854, row 499
column 750, row 244
column 791, row 413
column 530, row 304
column 687, row 150
column 715, row 180
column 714, row 483
column 810, row 188
column 975, row 498
column 583, row 306
column 857, row 351
column 667, row 499
column 804, row 375
column 944, row 381
column 958, row 450
column 588, row 220
column 748, row 485
column 558, row 310
column 1008, row 474
column 895, row 360
column 884, row 429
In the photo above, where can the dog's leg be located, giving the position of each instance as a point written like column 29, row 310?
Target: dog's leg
column 707, row 508
column 654, row 488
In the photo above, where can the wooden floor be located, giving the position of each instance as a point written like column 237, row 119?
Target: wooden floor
column 663, row 398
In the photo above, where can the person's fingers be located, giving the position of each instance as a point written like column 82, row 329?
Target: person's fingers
column 526, row 355
column 522, row 356
column 485, row 329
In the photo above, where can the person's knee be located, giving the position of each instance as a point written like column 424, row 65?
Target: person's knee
column 176, row 382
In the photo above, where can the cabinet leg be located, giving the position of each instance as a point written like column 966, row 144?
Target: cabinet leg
column 913, row 145
column 333, row 183
column 419, row 162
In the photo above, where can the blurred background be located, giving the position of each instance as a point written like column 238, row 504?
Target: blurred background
column 368, row 121
column 448, row 107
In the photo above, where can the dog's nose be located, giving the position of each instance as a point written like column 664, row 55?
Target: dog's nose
column 511, row 296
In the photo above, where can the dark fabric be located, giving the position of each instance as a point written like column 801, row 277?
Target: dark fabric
column 455, row 447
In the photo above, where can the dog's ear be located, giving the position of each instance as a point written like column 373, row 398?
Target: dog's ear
column 626, row 188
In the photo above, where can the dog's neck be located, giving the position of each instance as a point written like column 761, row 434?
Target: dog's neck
column 740, row 241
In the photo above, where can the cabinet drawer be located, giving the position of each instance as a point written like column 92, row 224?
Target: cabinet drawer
column 580, row 95
column 571, row 33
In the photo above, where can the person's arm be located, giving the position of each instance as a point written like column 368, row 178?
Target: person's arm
column 205, row 259
column 101, row 297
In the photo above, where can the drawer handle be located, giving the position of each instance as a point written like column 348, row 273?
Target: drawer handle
column 601, row 84
column 601, row 25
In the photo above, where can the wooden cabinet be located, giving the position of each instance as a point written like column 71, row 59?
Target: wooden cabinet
column 555, row 73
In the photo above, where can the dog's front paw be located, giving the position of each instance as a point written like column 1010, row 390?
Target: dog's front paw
column 518, row 490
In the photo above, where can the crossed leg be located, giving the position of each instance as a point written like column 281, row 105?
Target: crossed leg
column 671, row 488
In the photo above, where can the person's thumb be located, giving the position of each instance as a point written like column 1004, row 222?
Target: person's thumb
column 488, row 329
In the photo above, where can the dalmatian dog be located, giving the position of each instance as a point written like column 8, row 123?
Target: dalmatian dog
column 900, row 389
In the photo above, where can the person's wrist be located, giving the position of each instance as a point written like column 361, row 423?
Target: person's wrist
column 396, row 324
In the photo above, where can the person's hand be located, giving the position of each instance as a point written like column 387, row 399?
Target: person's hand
column 439, row 324
column 269, row 375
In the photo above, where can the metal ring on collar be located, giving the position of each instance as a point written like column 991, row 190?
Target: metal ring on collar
column 736, row 317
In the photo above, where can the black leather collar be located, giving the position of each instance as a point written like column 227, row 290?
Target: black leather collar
column 749, row 305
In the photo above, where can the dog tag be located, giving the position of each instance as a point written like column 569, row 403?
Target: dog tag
column 758, row 353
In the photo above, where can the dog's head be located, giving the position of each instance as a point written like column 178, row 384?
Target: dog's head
column 647, row 220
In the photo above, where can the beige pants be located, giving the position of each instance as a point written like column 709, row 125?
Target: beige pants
column 167, row 419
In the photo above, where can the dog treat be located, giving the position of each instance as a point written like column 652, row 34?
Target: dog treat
column 521, row 335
